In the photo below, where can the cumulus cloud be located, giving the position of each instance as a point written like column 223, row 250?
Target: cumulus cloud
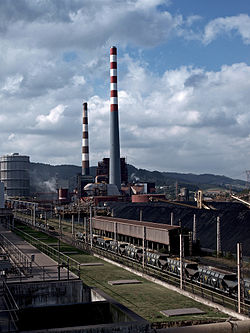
column 89, row 22
column 78, row 80
column 187, row 118
column 12, row 84
column 54, row 56
column 52, row 119
column 226, row 25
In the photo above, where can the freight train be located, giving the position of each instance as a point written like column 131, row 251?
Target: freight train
column 211, row 278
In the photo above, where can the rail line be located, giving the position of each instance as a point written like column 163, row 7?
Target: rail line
column 196, row 289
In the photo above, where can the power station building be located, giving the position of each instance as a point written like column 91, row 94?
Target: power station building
column 14, row 173
column 102, row 171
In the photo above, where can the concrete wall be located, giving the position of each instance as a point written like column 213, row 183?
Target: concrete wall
column 95, row 296
column 45, row 293
column 226, row 327
column 104, row 315
column 122, row 317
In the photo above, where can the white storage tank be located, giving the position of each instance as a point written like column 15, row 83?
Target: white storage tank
column 14, row 171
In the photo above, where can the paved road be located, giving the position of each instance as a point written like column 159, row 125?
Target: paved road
column 43, row 267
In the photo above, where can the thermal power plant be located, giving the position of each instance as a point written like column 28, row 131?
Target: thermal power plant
column 115, row 169
column 131, row 218
column 14, row 173
column 85, row 141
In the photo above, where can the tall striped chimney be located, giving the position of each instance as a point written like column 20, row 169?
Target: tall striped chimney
column 114, row 163
column 85, row 143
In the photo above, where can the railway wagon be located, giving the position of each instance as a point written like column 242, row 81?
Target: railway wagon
column 190, row 268
column 113, row 246
column 103, row 242
column 117, row 247
column 132, row 252
column 156, row 259
column 220, row 280
column 122, row 247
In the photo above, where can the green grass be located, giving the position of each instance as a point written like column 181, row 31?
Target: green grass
column 146, row 299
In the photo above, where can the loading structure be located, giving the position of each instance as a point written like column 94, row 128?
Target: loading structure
column 155, row 235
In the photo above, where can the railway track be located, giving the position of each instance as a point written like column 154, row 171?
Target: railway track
column 65, row 234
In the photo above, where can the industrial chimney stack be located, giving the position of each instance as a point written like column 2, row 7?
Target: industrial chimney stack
column 85, row 143
column 114, row 166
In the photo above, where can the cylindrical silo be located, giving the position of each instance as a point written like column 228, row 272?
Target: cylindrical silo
column 63, row 194
column 14, row 171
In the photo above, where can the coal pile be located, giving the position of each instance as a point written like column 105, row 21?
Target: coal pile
column 234, row 218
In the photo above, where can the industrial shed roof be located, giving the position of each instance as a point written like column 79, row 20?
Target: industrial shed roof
column 138, row 223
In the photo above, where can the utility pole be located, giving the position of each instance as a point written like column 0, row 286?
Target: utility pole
column 172, row 218
column 144, row 240
column 181, row 261
column 72, row 225
column 34, row 215
column 115, row 235
column 194, row 230
column 190, row 242
column 85, row 228
column 239, row 273
column 199, row 199
column 60, row 225
column 90, row 226
column 140, row 215
column 218, row 242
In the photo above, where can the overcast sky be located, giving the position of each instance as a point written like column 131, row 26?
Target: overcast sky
column 183, row 80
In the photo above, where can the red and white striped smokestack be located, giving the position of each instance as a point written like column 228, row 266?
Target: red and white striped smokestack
column 114, row 165
column 85, row 143
column 113, row 80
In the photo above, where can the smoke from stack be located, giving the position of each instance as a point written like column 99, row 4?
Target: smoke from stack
column 85, row 143
column 114, row 167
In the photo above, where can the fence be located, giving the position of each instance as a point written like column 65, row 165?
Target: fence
column 8, row 317
column 64, row 261
column 21, row 260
